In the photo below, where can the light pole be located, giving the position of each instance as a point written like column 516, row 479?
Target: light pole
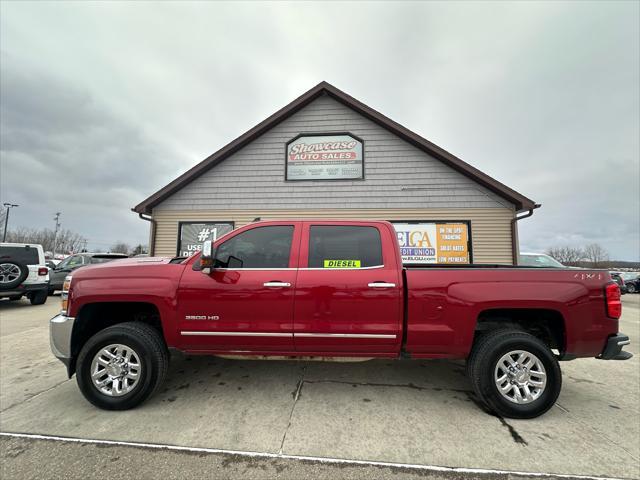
column 8, row 206
column 55, row 233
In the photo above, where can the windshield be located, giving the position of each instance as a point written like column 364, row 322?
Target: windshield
column 538, row 260
column 630, row 275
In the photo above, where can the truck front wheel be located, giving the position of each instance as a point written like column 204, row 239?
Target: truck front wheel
column 514, row 374
column 121, row 366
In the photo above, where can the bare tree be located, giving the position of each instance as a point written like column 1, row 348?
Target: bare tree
column 67, row 241
column 595, row 254
column 120, row 247
column 139, row 249
column 567, row 255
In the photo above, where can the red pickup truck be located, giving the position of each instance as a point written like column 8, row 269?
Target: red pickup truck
column 334, row 290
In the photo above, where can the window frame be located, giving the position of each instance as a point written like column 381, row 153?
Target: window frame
column 293, row 249
column 347, row 224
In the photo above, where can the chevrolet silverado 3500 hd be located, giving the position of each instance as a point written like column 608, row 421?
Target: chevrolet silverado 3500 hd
column 332, row 289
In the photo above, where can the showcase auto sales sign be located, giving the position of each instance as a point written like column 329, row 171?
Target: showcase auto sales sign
column 324, row 157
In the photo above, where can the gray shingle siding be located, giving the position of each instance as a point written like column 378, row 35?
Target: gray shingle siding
column 254, row 176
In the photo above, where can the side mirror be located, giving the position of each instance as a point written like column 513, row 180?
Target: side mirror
column 207, row 256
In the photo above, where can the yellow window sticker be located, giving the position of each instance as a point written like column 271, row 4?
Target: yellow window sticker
column 342, row 264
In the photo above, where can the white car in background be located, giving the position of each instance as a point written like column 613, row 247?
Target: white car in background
column 23, row 272
column 526, row 259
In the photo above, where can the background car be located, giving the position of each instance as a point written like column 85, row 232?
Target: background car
column 631, row 281
column 23, row 272
column 538, row 260
column 51, row 264
column 617, row 277
column 73, row 262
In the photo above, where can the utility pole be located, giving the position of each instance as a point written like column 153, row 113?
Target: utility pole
column 8, row 206
column 55, row 233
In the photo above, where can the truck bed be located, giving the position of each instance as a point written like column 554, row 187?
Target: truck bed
column 444, row 304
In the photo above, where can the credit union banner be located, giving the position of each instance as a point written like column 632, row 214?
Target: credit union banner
column 435, row 243
column 324, row 157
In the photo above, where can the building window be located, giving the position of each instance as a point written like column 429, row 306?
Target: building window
column 192, row 234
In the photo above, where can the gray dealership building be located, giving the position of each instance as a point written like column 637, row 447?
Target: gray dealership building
column 328, row 155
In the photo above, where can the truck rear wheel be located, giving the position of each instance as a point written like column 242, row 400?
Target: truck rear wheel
column 121, row 366
column 514, row 374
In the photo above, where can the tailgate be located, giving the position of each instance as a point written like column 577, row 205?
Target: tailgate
column 34, row 278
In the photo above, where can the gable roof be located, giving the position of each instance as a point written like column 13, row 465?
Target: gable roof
column 323, row 88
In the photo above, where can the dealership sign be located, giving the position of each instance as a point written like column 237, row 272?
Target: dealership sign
column 324, row 157
column 192, row 234
column 438, row 243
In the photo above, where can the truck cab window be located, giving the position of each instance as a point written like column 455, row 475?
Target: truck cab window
column 262, row 247
column 335, row 246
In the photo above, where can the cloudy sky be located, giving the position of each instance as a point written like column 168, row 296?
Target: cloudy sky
column 104, row 103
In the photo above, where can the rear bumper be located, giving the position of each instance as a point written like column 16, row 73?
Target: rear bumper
column 24, row 289
column 60, row 330
column 613, row 348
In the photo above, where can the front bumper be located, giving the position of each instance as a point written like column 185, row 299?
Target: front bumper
column 60, row 330
column 613, row 348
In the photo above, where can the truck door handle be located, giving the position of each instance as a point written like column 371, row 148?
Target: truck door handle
column 381, row 285
column 276, row 284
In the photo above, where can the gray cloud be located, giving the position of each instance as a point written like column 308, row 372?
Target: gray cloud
column 62, row 150
column 103, row 103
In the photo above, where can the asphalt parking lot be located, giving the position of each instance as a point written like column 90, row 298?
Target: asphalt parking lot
column 407, row 413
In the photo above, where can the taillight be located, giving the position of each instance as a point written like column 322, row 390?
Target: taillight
column 66, row 286
column 42, row 271
column 614, row 305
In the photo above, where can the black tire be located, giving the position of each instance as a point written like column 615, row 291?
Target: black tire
column 481, row 369
column 38, row 298
column 22, row 274
column 15, row 297
column 631, row 288
column 51, row 291
column 147, row 342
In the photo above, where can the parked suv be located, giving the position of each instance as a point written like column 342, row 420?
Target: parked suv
column 74, row 262
column 23, row 272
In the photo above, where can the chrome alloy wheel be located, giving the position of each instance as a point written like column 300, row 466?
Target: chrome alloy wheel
column 520, row 377
column 115, row 370
column 8, row 272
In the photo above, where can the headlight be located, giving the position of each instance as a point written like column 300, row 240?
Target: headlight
column 66, row 286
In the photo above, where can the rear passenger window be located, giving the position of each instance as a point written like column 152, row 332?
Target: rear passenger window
column 261, row 247
column 334, row 246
